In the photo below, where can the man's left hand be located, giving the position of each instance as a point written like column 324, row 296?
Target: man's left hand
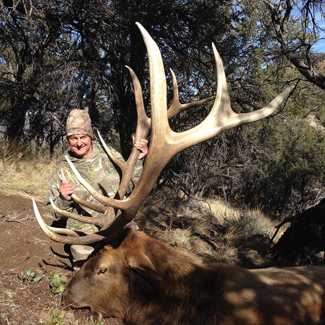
column 142, row 146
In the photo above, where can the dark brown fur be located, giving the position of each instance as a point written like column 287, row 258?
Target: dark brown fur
column 143, row 281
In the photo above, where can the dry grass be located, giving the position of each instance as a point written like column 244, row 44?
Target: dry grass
column 27, row 176
column 221, row 210
column 210, row 228
column 243, row 223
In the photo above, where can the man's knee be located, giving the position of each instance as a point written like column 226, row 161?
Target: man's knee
column 79, row 255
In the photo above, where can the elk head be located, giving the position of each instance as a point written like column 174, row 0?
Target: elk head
column 165, row 143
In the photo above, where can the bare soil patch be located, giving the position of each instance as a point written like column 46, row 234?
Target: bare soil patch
column 23, row 245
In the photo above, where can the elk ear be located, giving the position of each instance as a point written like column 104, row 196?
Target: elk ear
column 142, row 264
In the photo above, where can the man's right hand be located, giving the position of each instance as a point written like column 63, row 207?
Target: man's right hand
column 66, row 190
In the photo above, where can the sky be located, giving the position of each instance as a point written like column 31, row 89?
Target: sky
column 320, row 45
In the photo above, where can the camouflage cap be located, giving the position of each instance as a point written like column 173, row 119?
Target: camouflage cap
column 79, row 122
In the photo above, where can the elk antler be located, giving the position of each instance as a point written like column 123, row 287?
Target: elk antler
column 165, row 143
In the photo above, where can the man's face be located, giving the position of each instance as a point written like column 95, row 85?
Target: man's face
column 80, row 144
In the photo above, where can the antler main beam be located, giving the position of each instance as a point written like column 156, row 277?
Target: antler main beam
column 165, row 143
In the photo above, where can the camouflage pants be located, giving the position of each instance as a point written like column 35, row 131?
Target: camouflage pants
column 79, row 254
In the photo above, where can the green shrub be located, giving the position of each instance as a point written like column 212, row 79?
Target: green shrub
column 58, row 283
column 30, row 275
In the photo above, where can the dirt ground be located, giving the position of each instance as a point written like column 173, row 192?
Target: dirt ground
column 23, row 245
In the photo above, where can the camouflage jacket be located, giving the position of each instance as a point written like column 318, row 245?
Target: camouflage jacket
column 97, row 170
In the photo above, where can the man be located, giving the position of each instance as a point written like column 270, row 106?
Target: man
column 94, row 165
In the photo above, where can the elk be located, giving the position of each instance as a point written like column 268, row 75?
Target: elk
column 143, row 281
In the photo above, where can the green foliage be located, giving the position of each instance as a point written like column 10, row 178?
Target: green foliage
column 58, row 283
column 286, row 173
column 58, row 317
column 30, row 275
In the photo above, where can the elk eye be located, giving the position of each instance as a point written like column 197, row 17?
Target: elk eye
column 102, row 270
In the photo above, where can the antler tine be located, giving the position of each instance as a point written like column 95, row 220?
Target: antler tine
column 85, row 219
column 221, row 116
column 144, row 122
column 72, row 237
column 142, row 131
column 176, row 107
column 90, row 205
column 109, row 153
column 158, row 150
column 99, row 197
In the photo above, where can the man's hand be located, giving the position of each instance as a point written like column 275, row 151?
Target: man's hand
column 66, row 190
column 142, row 146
